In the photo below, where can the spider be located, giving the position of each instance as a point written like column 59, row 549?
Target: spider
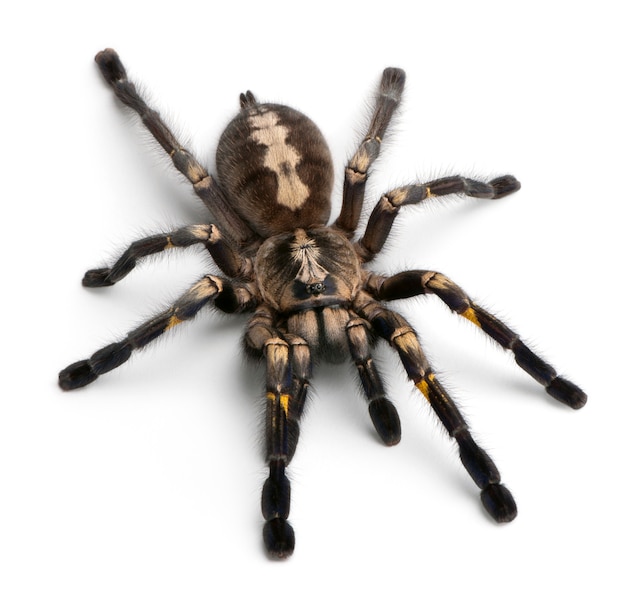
column 304, row 283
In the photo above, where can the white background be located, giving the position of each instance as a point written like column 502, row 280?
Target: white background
column 148, row 481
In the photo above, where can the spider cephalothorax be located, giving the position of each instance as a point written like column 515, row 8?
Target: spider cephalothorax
column 307, row 269
column 304, row 284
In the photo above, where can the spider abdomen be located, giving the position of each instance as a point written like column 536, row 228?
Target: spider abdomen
column 276, row 169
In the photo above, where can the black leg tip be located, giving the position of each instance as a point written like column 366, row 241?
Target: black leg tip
column 97, row 278
column 110, row 65
column 77, row 375
column 499, row 503
column 276, row 496
column 392, row 82
column 386, row 421
column 479, row 189
column 505, row 185
column 566, row 392
column 279, row 538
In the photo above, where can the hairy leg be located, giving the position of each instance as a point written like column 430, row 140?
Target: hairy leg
column 222, row 250
column 384, row 213
column 410, row 283
column 387, row 100
column 382, row 411
column 496, row 498
column 288, row 370
column 208, row 289
column 204, row 184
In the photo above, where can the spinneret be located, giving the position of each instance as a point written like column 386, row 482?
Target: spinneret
column 304, row 285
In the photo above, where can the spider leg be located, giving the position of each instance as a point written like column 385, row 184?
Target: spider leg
column 288, row 369
column 204, row 184
column 209, row 288
column 385, row 212
column 382, row 411
column 412, row 283
column 496, row 498
column 222, row 250
column 356, row 172
column 300, row 375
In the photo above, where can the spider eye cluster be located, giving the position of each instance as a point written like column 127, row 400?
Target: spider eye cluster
column 315, row 288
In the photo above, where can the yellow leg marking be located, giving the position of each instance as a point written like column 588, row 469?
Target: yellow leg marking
column 284, row 403
column 169, row 243
column 173, row 321
column 429, row 193
column 470, row 314
column 283, row 400
column 422, row 385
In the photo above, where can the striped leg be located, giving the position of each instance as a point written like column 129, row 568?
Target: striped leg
column 385, row 212
column 204, row 184
column 387, row 100
column 412, row 283
column 278, row 534
column 221, row 249
column 495, row 497
column 300, row 376
column 209, row 288
column 288, row 371
column 382, row 411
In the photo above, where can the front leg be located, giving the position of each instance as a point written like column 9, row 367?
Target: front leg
column 411, row 283
column 382, row 411
column 495, row 497
column 278, row 534
column 209, row 288
column 288, row 370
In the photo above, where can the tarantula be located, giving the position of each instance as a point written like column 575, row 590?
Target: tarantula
column 304, row 283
